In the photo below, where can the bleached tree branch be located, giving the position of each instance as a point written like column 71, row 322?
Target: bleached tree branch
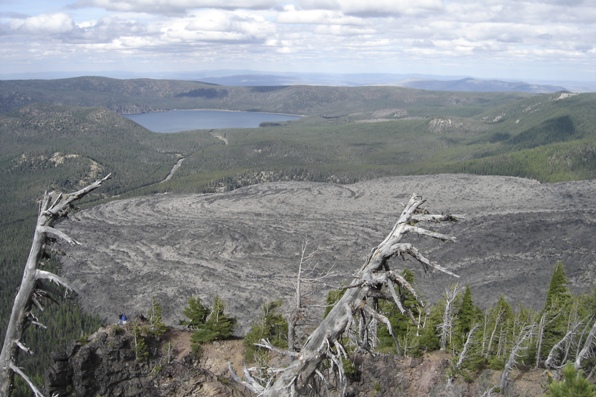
column 407, row 248
column 586, row 349
column 447, row 324
column 550, row 360
column 428, row 233
column 464, row 352
column 382, row 319
column 309, row 275
column 254, row 387
column 32, row 386
column 62, row 204
column 524, row 334
column 267, row 345
column 52, row 207
column 298, row 375
column 44, row 275
column 58, row 233
column 24, row 348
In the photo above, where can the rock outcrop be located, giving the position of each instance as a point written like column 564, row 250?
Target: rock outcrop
column 106, row 365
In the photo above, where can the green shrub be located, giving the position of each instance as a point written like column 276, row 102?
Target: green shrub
column 271, row 326
column 156, row 324
column 140, row 346
column 208, row 324
column 573, row 385
column 195, row 312
column 350, row 369
column 333, row 296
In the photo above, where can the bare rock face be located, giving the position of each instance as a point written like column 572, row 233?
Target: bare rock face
column 106, row 365
column 244, row 245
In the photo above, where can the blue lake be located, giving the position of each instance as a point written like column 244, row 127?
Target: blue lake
column 185, row 120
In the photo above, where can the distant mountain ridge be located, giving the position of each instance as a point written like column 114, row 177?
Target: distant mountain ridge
column 248, row 78
column 411, row 81
column 479, row 85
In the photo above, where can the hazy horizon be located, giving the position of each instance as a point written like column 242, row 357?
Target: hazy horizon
column 531, row 40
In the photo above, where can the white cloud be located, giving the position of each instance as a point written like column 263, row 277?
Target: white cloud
column 43, row 24
column 343, row 30
column 292, row 15
column 173, row 6
column 106, row 30
column 375, row 8
column 278, row 33
column 218, row 25
column 423, row 43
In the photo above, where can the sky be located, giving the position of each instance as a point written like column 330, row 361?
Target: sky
column 530, row 40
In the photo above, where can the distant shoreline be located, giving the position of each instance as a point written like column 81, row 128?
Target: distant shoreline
column 219, row 110
column 179, row 120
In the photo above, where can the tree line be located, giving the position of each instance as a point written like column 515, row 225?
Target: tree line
column 560, row 336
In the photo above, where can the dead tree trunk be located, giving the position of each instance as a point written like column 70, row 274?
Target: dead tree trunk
column 539, row 342
column 371, row 277
column 524, row 334
column 51, row 209
column 492, row 335
column 586, row 349
column 447, row 326
column 551, row 361
column 462, row 355
column 309, row 281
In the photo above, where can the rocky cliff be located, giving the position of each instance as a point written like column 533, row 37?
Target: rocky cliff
column 105, row 364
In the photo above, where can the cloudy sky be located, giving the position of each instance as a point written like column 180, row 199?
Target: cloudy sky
column 509, row 39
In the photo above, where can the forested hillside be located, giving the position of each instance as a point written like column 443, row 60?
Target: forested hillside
column 142, row 95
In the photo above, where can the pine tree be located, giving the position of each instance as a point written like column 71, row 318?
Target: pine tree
column 217, row 326
column 272, row 326
column 402, row 325
column 429, row 335
column 573, row 385
column 554, row 316
column 195, row 312
column 497, row 333
column 140, row 346
column 557, row 295
column 467, row 316
column 222, row 324
column 333, row 296
column 156, row 324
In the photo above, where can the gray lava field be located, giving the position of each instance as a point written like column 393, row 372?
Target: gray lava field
column 245, row 245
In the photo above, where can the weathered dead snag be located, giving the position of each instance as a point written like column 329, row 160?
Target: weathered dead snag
column 524, row 334
column 551, row 361
column 374, row 277
column 590, row 340
column 446, row 326
column 52, row 208
column 309, row 280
